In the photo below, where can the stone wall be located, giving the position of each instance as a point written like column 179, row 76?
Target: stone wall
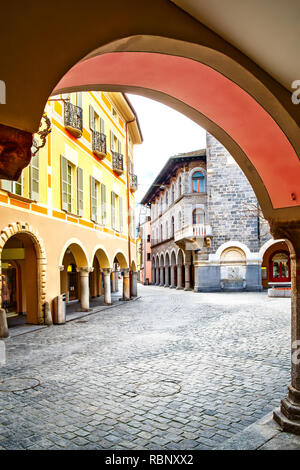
column 231, row 201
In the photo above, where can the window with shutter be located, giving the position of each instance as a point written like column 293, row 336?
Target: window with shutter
column 6, row 185
column 113, row 210
column 80, row 191
column 102, row 126
column 34, row 172
column 119, row 147
column 121, row 214
column 79, row 99
column 92, row 118
column 103, row 204
column 112, row 141
column 66, row 184
column 94, row 200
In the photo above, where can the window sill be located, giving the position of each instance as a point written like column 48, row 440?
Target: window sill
column 72, row 214
column 20, row 198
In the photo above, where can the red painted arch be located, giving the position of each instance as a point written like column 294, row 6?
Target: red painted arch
column 209, row 92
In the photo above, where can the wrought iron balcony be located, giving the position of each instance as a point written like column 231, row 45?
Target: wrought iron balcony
column 99, row 144
column 133, row 182
column 73, row 119
column 117, row 162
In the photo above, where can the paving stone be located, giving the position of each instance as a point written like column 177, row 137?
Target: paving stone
column 229, row 353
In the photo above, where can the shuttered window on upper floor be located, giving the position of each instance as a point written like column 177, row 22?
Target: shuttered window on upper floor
column 34, row 177
column 80, row 192
column 121, row 215
column 103, row 204
column 94, row 199
column 113, row 210
column 66, row 184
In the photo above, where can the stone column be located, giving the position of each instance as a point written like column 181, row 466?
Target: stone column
column 126, row 284
column 134, row 284
column 167, row 276
column 153, row 275
column 187, row 277
column 116, row 280
column 107, row 285
column 179, row 276
column 113, row 284
column 161, row 276
column 289, row 414
column 3, row 324
column 172, row 276
column 157, row 277
column 84, row 288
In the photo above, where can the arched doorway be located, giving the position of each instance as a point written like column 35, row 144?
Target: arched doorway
column 23, row 275
column 74, row 276
column 233, row 269
column 275, row 266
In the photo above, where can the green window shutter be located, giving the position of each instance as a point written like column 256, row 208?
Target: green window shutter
column 102, row 126
column 103, row 204
column 121, row 214
column 34, row 172
column 112, row 141
column 64, row 182
column 6, row 185
column 80, row 191
column 113, row 210
column 92, row 118
column 94, row 199
column 79, row 99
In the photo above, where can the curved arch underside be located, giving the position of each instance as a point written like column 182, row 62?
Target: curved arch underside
column 204, row 89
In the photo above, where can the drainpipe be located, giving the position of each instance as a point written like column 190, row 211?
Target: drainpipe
column 128, row 206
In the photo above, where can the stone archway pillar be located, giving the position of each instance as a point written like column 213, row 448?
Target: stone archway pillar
column 187, row 277
column 107, row 285
column 84, row 288
column 172, row 276
column 179, row 276
column 161, row 276
column 126, row 284
column 288, row 416
column 134, row 284
column 167, row 281
column 157, row 277
column 153, row 276
column 3, row 324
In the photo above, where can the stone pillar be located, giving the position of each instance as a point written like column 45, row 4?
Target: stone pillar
column 126, row 284
column 84, row 289
column 187, row 277
column 167, row 276
column 153, row 276
column 3, row 324
column 113, row 283
column 157, row 277
column 116, row 280
column 161, row 276
column 179, row 276
column 289, row 414
column 107, row 285
column 172, row 276
column 134, row 283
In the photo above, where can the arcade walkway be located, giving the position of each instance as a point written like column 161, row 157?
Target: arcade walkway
column 168, row 371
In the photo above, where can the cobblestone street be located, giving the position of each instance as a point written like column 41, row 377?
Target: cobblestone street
column 171, row 370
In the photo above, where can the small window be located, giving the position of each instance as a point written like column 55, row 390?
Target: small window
column 148, row 238
column 198, row 182
column 198, row 216
column 148, row 256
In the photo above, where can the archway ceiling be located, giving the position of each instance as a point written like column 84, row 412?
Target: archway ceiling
column 221, row 100
column 265, row 30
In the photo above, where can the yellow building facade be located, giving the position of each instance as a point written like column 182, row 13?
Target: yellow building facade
column 68, row 224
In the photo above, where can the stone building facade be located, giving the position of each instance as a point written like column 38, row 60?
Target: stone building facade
column 207, row 231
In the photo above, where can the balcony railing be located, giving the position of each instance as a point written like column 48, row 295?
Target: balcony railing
column 117, row 162
column 133, row 182
column 99, row 144
column 193, row 231
column 73, row 119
